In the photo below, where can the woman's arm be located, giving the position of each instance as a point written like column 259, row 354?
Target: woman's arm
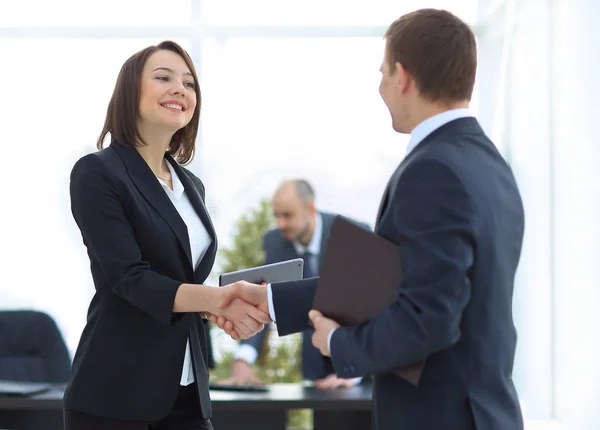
column 247, row 319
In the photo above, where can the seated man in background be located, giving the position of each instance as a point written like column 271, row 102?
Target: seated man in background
column 301, row 231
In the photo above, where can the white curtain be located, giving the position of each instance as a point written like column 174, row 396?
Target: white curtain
column 576, row 211
column 539, row 96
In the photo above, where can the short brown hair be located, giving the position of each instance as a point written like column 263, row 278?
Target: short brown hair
column 438, row 50
column 123, row 108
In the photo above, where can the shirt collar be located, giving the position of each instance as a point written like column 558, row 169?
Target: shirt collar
column 178, row 188
column 425, row 128
column 314, row 246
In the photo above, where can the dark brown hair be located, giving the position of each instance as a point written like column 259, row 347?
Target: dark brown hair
column 438, row 50
column 123, row 108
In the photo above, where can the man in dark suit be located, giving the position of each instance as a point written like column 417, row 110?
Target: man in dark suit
column 454, row 210
column 302, row 232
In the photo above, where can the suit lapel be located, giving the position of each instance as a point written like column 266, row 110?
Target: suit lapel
column 289, row 250
column 143, row 178
column 384, row 200
column 389, row 189
column 191, row 190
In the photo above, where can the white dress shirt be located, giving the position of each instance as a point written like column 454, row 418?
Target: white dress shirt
column 199, row 243
column 425, row 128
column 248, row 353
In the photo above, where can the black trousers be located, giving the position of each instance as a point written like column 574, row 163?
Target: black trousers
column 185, row 415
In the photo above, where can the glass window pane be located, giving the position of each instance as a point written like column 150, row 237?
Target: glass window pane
column 323, row 12
column 56, row 13
column 56, row 93
column 275, row 108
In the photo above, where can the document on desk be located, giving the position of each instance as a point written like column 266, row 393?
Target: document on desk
column 359, row 278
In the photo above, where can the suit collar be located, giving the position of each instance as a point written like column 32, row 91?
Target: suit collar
column 326, row 220
column 315, row 246
column 460, row 125
column 425, row 128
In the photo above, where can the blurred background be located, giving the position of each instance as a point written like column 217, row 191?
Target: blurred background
column 289, row 89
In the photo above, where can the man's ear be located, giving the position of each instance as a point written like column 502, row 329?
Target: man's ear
column 310, row 207
column 402, row 77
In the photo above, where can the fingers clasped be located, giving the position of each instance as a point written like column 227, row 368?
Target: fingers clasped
column 243, row 310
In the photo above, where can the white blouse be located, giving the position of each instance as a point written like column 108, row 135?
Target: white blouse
column 199, row 243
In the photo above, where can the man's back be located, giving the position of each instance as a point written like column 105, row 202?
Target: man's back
column 476, row 370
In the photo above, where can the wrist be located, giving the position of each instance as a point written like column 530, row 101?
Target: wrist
column 264, row 304
column 213, row 296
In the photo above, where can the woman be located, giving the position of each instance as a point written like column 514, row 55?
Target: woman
column 141, row 362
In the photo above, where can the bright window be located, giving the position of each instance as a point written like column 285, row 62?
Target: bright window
column 275, row 108
column 322, row 13
column 58, row 13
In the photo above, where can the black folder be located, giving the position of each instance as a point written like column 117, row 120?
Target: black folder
column 359, row 278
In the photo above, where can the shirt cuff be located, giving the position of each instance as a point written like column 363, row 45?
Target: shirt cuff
column 246, row 353
column 329, row 340
column 270, row 301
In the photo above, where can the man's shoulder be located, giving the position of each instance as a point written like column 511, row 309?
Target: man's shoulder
column 327, row 218
column 273, row 236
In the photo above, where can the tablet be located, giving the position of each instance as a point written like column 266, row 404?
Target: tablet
column 289, row 270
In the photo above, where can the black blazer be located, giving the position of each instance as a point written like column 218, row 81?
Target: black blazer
column 129, row 360
column 278, row 248
column 454, row 210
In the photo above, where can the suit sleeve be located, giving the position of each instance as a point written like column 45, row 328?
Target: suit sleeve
column 292, row 300
column 111, row 243
column 433, row 221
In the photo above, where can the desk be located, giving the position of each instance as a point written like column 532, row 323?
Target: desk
column 341, row 409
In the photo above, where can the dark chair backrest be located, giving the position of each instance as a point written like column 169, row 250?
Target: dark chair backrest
column 32, row 348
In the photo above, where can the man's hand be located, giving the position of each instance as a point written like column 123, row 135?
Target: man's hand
column 323, row 326
column 241, row 374
column 332, row 382
column 252, row 294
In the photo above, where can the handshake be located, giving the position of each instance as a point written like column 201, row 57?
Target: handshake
column 243, row 309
